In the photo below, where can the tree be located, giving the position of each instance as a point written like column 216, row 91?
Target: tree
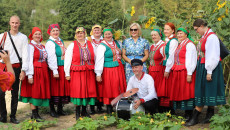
column 85, row 13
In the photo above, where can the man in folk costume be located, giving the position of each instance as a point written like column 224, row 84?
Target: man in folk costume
column 17, row 45
column 145, row 83
column 96, row 38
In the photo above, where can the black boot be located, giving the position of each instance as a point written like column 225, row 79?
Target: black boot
column 39, row 117
column 194, row 119
column 3, row 119
column 77, row 112
column 84, row 113
column 209, row 114
column 53, row 113
column 109, row 109
column 188, row 115
column 92, row 110
column 35, row 115
column 60, row 111
column 99, row 108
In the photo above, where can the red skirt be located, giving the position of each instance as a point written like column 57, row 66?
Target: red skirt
column 113, row 83
column 157, row 73
column 181, row 89
column 60, row 86
column 40, row 89
column 83, row 84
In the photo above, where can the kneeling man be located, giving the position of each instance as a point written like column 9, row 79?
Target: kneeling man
column 146, row 94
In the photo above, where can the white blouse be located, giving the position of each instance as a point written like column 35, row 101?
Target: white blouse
column 172, row 48
column 146, row 87
column 190, row 58
column 30, row 71
column 52, row 57
column 100, row 56
column 68, row 59
column 212, row 52
column 161, row 49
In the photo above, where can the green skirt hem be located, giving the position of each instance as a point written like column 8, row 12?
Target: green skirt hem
column 83, row 101
column 35, row 102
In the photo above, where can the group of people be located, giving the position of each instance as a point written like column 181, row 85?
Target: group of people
column 95, row 70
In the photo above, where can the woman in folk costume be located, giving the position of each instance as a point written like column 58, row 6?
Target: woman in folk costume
column 183, row 73
column 134, row 47
column 209, row 86
column 79, row 69
column 96, row 38
column 109, row 69
column 156, row 68
column 59, row 85
column 35, row 89
column 169, row 50
column 6, row 78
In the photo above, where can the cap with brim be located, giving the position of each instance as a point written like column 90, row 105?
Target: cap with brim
column 136, row 62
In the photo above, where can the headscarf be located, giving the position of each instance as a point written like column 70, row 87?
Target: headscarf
column 95, row 26
column 162, row 35
column 187, row 32
column 107, row 29
column 33, row 31
column 80, row 29
column 51, row 26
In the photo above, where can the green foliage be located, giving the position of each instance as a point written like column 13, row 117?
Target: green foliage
column 86, row 13
column 33, row 125
column 90, row 124
column 160, row 121
column 221, row 121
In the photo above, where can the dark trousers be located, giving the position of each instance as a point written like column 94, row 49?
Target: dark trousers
column 14, row 99
column 151, row 106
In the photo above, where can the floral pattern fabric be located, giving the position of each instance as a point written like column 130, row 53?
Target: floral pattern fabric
column 134, row 51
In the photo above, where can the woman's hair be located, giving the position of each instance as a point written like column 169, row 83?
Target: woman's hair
column 172, row 26
column 199, row 22
column 138, row 27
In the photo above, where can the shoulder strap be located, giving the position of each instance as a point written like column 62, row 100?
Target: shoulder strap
column 20, row 59
column 2, row 43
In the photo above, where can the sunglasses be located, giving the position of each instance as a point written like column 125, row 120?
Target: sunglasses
column 133, row 30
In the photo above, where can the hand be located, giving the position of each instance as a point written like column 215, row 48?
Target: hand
column 129, row 61
column 56, row 76
column 98, row 78
column 209, row 77
column 22, row 75
column 137, row 104
column 166, row 75
column 5, row 57
column 31, row 81
column 189, row 78
column 67, row 78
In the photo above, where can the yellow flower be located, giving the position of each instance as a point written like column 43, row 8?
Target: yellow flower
column 226, row 11
column 151, row 121
column 147, row 25
column 139, row 117
column 112, row 112
column 105, row 117
column 214, row 10
column 81, row 118
column 151, row 28
column 30, row 121
column 168, row 114
column 117, row 34
column 137, row 112
column 182, row 122
column 219, row 19
column 139, row 123
column 176, row 123
column 152, row 19
column 132, row 11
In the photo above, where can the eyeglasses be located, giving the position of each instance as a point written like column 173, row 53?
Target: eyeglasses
column 133, row 30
